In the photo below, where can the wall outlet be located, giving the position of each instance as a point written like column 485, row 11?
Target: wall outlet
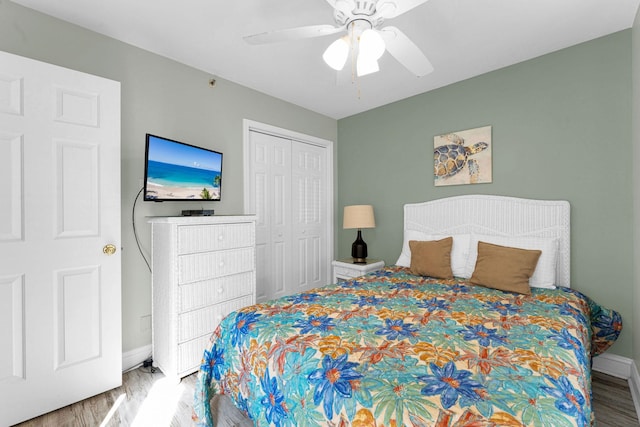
column 145, row 323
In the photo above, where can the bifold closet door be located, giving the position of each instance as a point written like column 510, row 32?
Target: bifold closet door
column 288, row 193
column 308, row 206
column 270, row 159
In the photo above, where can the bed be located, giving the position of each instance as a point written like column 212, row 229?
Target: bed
column 401, row 347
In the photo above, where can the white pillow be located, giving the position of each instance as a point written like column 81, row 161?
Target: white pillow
column 459, row 250
column 544, row 275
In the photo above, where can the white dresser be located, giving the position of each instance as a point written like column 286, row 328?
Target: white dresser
column 203, row 269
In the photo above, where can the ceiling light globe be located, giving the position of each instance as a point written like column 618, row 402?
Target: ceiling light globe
column 371, row 44
column 336, row 54
column 366, row 65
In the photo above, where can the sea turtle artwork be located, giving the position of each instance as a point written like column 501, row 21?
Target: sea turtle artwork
column 453, row 157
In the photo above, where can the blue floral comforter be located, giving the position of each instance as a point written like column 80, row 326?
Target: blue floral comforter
column 392, row 349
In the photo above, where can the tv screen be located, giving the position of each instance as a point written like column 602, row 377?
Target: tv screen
column 175, row 171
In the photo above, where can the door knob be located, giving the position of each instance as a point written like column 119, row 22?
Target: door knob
column 109, row 249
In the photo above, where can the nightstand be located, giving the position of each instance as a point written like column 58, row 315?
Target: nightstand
column 346, row 269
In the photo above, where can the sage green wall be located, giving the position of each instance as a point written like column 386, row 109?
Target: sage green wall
column 561, row 130
column 163, row 97
column 635, row 55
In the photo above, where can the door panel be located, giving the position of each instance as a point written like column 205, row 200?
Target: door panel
column 12, row 328
column 80, row 108
column 309, row 206
column 77, row 191
column 269, row 159
column 60, row 337
column 76, row 327
column 11, row 93
column 11, row 172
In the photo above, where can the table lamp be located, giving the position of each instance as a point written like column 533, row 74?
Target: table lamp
column 358, row 216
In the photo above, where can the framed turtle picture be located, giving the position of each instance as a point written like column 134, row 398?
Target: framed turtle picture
column 462, row 157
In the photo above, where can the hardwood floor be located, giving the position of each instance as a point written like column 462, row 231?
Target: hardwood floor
column 148, row 399
column 612, row 402
column 144, row 399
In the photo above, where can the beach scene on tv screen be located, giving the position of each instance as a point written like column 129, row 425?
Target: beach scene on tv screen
column 182, row 172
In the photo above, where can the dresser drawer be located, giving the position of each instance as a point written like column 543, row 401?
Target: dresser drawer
column 209, row 265
column 213, row 237
column 205, row 320
column 200, row 294
column 190, row 355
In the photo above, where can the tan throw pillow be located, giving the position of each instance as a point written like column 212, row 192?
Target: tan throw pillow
column 431, row 258
column 504, row 268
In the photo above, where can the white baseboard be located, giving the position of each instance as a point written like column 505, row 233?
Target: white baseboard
column 621, row 367
column 135, row 357
column 614, row 365
column 634, row 385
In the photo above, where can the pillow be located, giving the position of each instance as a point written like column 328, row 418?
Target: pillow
column 459, row 251
column 431, row 258
column 545, row 273
column 504, row 268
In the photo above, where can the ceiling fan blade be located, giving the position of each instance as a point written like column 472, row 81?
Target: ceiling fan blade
column 344, row 6
column 292, row 34
column 392, row 8
column 406, row 51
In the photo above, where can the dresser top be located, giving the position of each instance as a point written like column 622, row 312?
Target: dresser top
column 212, row 219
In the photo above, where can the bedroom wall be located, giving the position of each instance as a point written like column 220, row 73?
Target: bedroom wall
column 166, row 98
column 561, row 130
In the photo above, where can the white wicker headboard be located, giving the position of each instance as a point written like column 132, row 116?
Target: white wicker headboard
column 498, row 216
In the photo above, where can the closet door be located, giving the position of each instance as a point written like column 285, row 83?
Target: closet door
column 308, row 206
column 288, row 186
column 270, row 184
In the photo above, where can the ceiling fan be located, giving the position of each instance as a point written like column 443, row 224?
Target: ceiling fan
column 366, row 38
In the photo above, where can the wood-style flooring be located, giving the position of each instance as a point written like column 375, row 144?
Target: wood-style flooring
column 612, row 402
column 148, row 399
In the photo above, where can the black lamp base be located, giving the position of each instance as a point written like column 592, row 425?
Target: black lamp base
column 359, row 250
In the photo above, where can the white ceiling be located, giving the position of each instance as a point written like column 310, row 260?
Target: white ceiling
column 462, row 38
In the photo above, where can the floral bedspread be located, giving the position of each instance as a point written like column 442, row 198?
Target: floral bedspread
column 392, row 349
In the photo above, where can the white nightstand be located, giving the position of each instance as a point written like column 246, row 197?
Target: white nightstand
column 346, row 269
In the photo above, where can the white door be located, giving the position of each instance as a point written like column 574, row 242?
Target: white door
column 309, row 217
column 288, row 185
column 60, row 307
column 270, row 183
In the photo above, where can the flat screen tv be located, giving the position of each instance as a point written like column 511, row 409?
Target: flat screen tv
column 175, row 171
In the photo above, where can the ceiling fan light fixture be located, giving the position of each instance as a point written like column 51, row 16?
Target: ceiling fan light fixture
column 336, row 54
column 366, row 65
column 371, row 44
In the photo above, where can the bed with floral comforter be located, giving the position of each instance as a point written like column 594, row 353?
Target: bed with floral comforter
column 392, row 349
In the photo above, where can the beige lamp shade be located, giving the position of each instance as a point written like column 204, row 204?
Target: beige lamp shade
column 358, row 216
